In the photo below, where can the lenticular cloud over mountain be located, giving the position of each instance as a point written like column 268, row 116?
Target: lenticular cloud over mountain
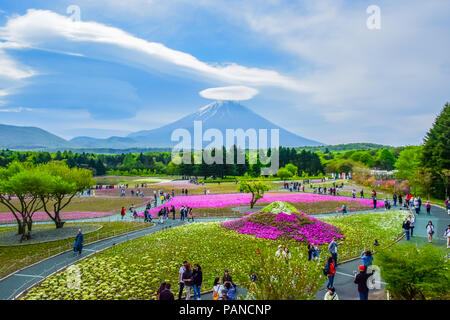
column 235, row 93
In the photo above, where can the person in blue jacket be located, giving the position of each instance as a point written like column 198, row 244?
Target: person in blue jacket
column 367, row 258
column 78, row 244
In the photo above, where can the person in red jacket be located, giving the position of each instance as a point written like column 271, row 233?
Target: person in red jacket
column 122, row 212
column 332, row 273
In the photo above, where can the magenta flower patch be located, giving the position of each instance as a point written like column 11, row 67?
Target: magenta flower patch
column 273, row 226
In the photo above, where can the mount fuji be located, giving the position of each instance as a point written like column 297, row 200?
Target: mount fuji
column 219, row 115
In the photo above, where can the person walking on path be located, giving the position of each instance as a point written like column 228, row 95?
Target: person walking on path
column 78, row 243
column 447, row 205
column 447, row 235
column 374, row 199
column 367, row 258
column 331, row 294
column 416, row 205
column 182, row 213
column 330, row 271
column 430, row 231
column 190, row 215
column 188, row 281
column 180, row 279
column 172, row 209
column 428, row 207
column 361, row 280
column 198, row 279
column 333, row 249
column 122, row 212
column 394, row 198
column 412, row 223
column 400, row 200
column 405, row 227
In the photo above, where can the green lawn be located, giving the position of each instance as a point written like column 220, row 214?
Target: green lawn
column 13, row 258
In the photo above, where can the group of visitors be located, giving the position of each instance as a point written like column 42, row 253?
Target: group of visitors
column 361, row 278
column 313, row 252
column 224, row 288
column 283, row 252
column 190, row 279
column 186, row 213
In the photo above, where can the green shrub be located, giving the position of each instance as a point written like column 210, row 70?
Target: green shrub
column 415, row 273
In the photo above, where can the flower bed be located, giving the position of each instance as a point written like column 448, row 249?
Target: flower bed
column 237, row 199
column 8, row 217
column 271, row 225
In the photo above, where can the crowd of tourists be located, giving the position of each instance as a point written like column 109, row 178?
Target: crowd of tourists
column 190, row 281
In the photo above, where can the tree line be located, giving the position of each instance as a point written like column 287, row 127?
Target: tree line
column 150, row 163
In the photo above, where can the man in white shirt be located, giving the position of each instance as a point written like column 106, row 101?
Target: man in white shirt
column 279, row 252
column 180, row 279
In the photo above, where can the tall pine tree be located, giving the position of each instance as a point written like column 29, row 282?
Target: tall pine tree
column 436, row 151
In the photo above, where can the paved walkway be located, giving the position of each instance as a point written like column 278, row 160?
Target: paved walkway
column 343, row 281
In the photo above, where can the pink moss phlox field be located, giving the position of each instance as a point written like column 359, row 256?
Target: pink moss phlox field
column 42, row 216
column 237, row 199
column 300, row 227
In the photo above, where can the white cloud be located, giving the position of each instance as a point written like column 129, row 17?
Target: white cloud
column 15, row 110
column 51, row 31
column 237, row 93
column 11, row 70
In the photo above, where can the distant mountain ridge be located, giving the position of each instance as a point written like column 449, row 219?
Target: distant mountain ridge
column 219, row 115
column 30, row 137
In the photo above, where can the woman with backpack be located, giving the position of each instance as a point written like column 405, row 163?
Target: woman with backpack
column 428, row 207
column 330, row 271
column 430, row 231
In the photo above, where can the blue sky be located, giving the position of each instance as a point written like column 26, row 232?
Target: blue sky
column 312, row 67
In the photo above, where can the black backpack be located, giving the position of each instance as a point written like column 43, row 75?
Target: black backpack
column 326, row 270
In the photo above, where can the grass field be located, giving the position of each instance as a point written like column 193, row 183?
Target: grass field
column 13, row 258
